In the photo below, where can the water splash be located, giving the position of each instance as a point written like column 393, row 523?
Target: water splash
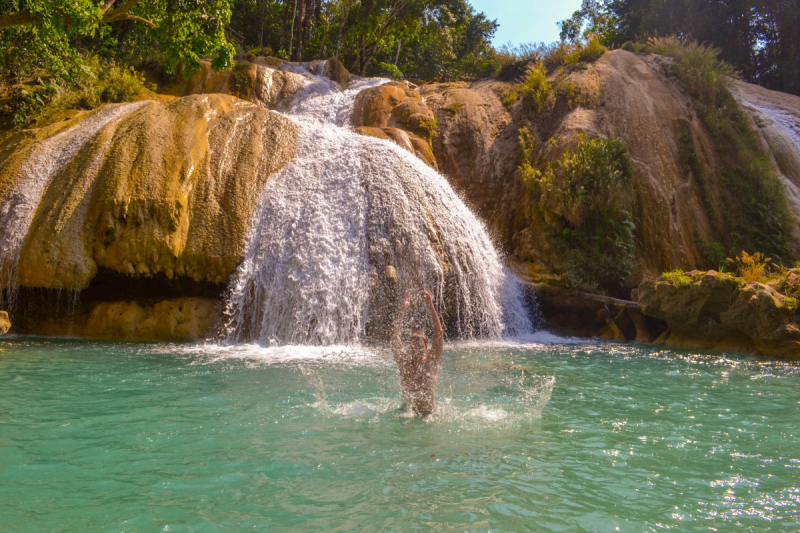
column 351, row 223
column 45, row 160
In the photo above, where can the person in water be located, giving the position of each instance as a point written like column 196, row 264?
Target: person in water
column 418, row 367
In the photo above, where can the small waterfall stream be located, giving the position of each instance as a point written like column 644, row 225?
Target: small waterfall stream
column 349, row 225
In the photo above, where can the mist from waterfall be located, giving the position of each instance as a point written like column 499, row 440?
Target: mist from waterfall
column 348, row 226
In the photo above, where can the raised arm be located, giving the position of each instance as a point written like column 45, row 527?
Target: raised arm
column 438, row 333
column 397, row 344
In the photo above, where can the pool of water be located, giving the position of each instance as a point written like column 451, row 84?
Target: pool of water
column 543, row 435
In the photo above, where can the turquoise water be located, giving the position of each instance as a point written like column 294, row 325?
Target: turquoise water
column 540, row 436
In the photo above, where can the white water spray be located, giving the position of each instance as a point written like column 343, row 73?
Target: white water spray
column 351, row 223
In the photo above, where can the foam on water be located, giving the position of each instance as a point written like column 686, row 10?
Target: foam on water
column 343, row 214
column 46, row 159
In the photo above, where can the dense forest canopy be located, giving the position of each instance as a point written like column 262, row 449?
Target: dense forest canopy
column 442, row 39
column 51, row 46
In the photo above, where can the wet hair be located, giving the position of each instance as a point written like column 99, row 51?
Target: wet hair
column 421, row 335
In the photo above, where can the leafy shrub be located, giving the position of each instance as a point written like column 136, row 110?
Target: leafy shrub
column 752, row 209
column 697, row 66
column 100, row 82
column 584, row 199
column 385, row 70
column 713, row 253
column 751, row 267
column 677, row 277
column 591, row 50
column 510, row 97
column 535, row 89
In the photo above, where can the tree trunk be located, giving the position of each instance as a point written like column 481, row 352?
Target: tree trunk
column 299, row 50
column 283, row 24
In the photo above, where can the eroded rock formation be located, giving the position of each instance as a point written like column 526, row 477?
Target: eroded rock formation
column 713, row 311
column 164, row 190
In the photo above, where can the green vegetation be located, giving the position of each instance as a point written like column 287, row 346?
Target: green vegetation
column 698, row 68
column 99, row 82
column 584, row 200
column 553, row 56
column 751, row 211
column 752, row 267
column 56, row 54
column 759, row 39
column 535, row 90
column 677, row 277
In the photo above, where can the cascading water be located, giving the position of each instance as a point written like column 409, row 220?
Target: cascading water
column 44, row 161
column 350, row 224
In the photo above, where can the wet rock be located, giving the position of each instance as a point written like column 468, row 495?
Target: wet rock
column 178, row 320
column 710, row 310
column 167, row 190
column 5, row 323
column 402, row 115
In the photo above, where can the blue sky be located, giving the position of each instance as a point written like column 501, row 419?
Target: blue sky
column 526, row 21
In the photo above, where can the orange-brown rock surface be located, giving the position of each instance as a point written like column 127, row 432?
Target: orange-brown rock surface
column 168, row 189
column 713, row 311
column 5, row 323
column 178, row 320
column 397, row 112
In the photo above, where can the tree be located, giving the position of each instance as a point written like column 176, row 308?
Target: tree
column 185, row 30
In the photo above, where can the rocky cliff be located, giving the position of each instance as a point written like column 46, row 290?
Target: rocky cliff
column 164, row 191
column 161, row 191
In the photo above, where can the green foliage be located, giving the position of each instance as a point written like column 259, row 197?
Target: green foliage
column 584, row 200
column 510, row 97
column 760, row 39
column 677, row 277
column 698, row 68
column 100, row 82
column 185, row 30
column 535, row 89
column 592, row 19
column 385, row 70
column 713, row 254
column 751, row 210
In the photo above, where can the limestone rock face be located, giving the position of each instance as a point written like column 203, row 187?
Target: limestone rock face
column 256, row 81
column 178, row 320
column 331, row 68
column 5, row 323
column 623, row 96
column 776, row 116
column 397, row 112
column 709, row 310
column 167, row 190
column 477, row 147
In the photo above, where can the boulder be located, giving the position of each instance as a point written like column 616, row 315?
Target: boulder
column 256, row 81
column 167, row 190
column 5, row 323
column 712, row 310
column 401, row 113
column 334, row 70
column 178, row 320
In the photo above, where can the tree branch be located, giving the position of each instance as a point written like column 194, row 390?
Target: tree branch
column 134, row 17
column 116, row 14
column 17, row 19
column 108, row 5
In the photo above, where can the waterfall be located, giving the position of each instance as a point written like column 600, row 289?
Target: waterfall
column 348, row 226
column 44, row 160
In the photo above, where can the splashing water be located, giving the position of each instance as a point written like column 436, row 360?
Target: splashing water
column 351, row 223
column 45, row 160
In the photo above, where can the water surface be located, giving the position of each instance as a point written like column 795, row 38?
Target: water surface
column 544, row 435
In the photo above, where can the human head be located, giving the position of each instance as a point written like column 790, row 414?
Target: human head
column 417, row 343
